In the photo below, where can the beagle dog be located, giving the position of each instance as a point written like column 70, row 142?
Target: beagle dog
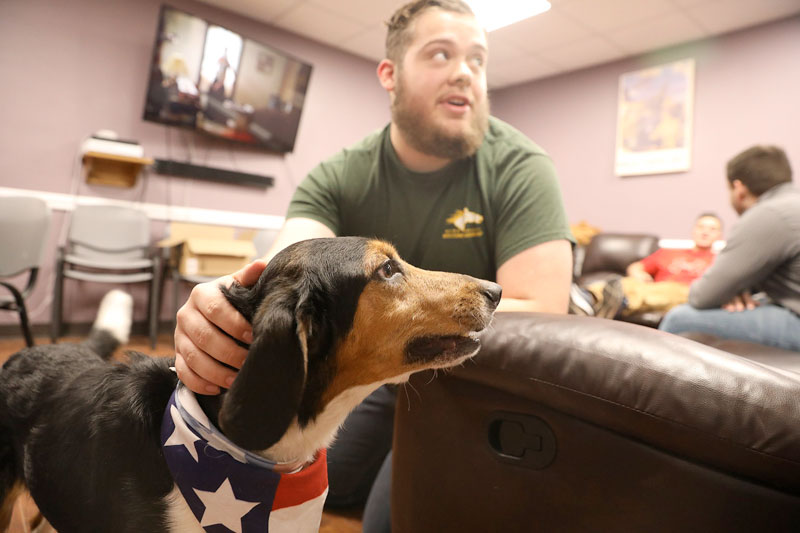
column 101, row 445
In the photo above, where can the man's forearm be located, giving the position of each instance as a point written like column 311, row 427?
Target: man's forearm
column 637, row 270
column 713, row 289
column 515, row 304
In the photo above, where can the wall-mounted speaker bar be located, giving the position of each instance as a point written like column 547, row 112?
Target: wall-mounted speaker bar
column 188, row 170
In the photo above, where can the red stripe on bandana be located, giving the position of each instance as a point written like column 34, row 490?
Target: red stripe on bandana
column 309, row 483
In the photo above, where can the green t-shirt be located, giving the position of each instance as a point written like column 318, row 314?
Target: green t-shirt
column 469, row 217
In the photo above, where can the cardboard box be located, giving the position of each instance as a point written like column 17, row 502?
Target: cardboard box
column 205, row 250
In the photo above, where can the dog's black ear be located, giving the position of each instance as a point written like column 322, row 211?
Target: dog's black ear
column 266, row 394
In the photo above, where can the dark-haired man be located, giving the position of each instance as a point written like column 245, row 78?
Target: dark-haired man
column 762, row 256
column 454, row 190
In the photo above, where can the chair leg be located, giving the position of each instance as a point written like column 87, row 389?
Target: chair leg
column 23, row 313
column 155, row 300
column 152, row 316
column 26, row 327
column 58, row 288
column 176, row 285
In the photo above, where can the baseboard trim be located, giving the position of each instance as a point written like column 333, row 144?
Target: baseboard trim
column 8, row 331
column 67, row 202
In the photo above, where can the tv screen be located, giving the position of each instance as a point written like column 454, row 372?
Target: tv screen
column 206, row 77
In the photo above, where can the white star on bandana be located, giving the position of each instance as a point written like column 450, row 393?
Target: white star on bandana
column 230, row 510
column 187, row 440
column 229, row 488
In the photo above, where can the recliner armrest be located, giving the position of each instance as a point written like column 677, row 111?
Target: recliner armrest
column 672, row 393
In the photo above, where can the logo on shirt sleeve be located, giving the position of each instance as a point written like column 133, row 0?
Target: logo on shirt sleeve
column 467, row 225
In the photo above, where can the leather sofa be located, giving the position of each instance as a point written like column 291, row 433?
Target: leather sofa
column 579, row 424
column 608, row 255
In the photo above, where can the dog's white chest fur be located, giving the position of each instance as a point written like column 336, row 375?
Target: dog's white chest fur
column 179, row 516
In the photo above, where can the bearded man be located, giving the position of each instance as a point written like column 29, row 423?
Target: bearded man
column 442, row 158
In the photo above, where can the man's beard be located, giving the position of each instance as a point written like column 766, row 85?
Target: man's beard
column 424, row 135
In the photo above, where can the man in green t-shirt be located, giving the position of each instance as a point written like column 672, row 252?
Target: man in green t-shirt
column 451, row 187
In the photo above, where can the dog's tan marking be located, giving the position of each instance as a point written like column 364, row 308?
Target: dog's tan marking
column 390, row 314
column 302, row 335
column 7, row 507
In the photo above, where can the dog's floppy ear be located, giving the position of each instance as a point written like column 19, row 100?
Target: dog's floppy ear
column 266, row 394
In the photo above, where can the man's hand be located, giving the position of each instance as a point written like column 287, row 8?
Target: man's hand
column 742, row 302
column 643, row 276
column 200, row 346
column 199, row 343
column 636, row 270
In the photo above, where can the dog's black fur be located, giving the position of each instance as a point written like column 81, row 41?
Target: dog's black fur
column 81, row 433
column 79, row 430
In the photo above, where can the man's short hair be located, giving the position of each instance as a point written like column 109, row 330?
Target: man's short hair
column 760, row 168
column 708, row 214
column 400, row 32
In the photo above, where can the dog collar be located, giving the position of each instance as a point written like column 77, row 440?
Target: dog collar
column 191, row 412
column 225, row 484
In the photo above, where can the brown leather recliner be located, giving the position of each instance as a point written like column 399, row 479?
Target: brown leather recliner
column 568, row 423
column 608, row 255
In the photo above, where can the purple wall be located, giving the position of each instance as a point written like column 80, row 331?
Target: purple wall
column 71, row 68
column 746, row 92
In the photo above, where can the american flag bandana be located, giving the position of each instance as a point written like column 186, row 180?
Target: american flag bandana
column 230, row 489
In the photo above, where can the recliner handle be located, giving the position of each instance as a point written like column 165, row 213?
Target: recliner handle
column 523, row 440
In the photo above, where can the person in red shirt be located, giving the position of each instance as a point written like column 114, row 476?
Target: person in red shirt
column 661, row 280
column 683, row 266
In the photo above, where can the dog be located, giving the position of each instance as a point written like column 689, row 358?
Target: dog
column 333, row 319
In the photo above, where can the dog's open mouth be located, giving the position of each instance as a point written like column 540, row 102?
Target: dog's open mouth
column 441, row 348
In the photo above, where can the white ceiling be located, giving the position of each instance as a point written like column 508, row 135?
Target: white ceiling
column 572, row 35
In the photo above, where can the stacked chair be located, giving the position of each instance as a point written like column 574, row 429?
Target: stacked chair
column 24, row 226
column 108, row 244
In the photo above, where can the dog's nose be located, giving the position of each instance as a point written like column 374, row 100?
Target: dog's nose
column 493, row 292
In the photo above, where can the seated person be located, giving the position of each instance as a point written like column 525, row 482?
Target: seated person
column 434, row 158
column 762, row 254
column 658, row 282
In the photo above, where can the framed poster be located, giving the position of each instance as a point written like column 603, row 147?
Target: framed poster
column 654, row 119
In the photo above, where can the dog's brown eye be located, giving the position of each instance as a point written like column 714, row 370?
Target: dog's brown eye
column 389, row 269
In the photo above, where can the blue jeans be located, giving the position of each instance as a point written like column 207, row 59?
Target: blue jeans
column 378, row 510
column 768, row 324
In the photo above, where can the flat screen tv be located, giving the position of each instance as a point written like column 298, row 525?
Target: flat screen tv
column 206, row 77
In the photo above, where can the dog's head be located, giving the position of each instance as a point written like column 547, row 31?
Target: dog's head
column 336, row 315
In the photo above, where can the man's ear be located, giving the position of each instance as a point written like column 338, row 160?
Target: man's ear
column 266, row 394
column 744, row 193
column 386, row 74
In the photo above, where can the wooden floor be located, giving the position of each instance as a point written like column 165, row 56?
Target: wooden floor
column 25, row 510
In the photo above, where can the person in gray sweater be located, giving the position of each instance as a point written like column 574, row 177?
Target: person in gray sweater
column 752, row 291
